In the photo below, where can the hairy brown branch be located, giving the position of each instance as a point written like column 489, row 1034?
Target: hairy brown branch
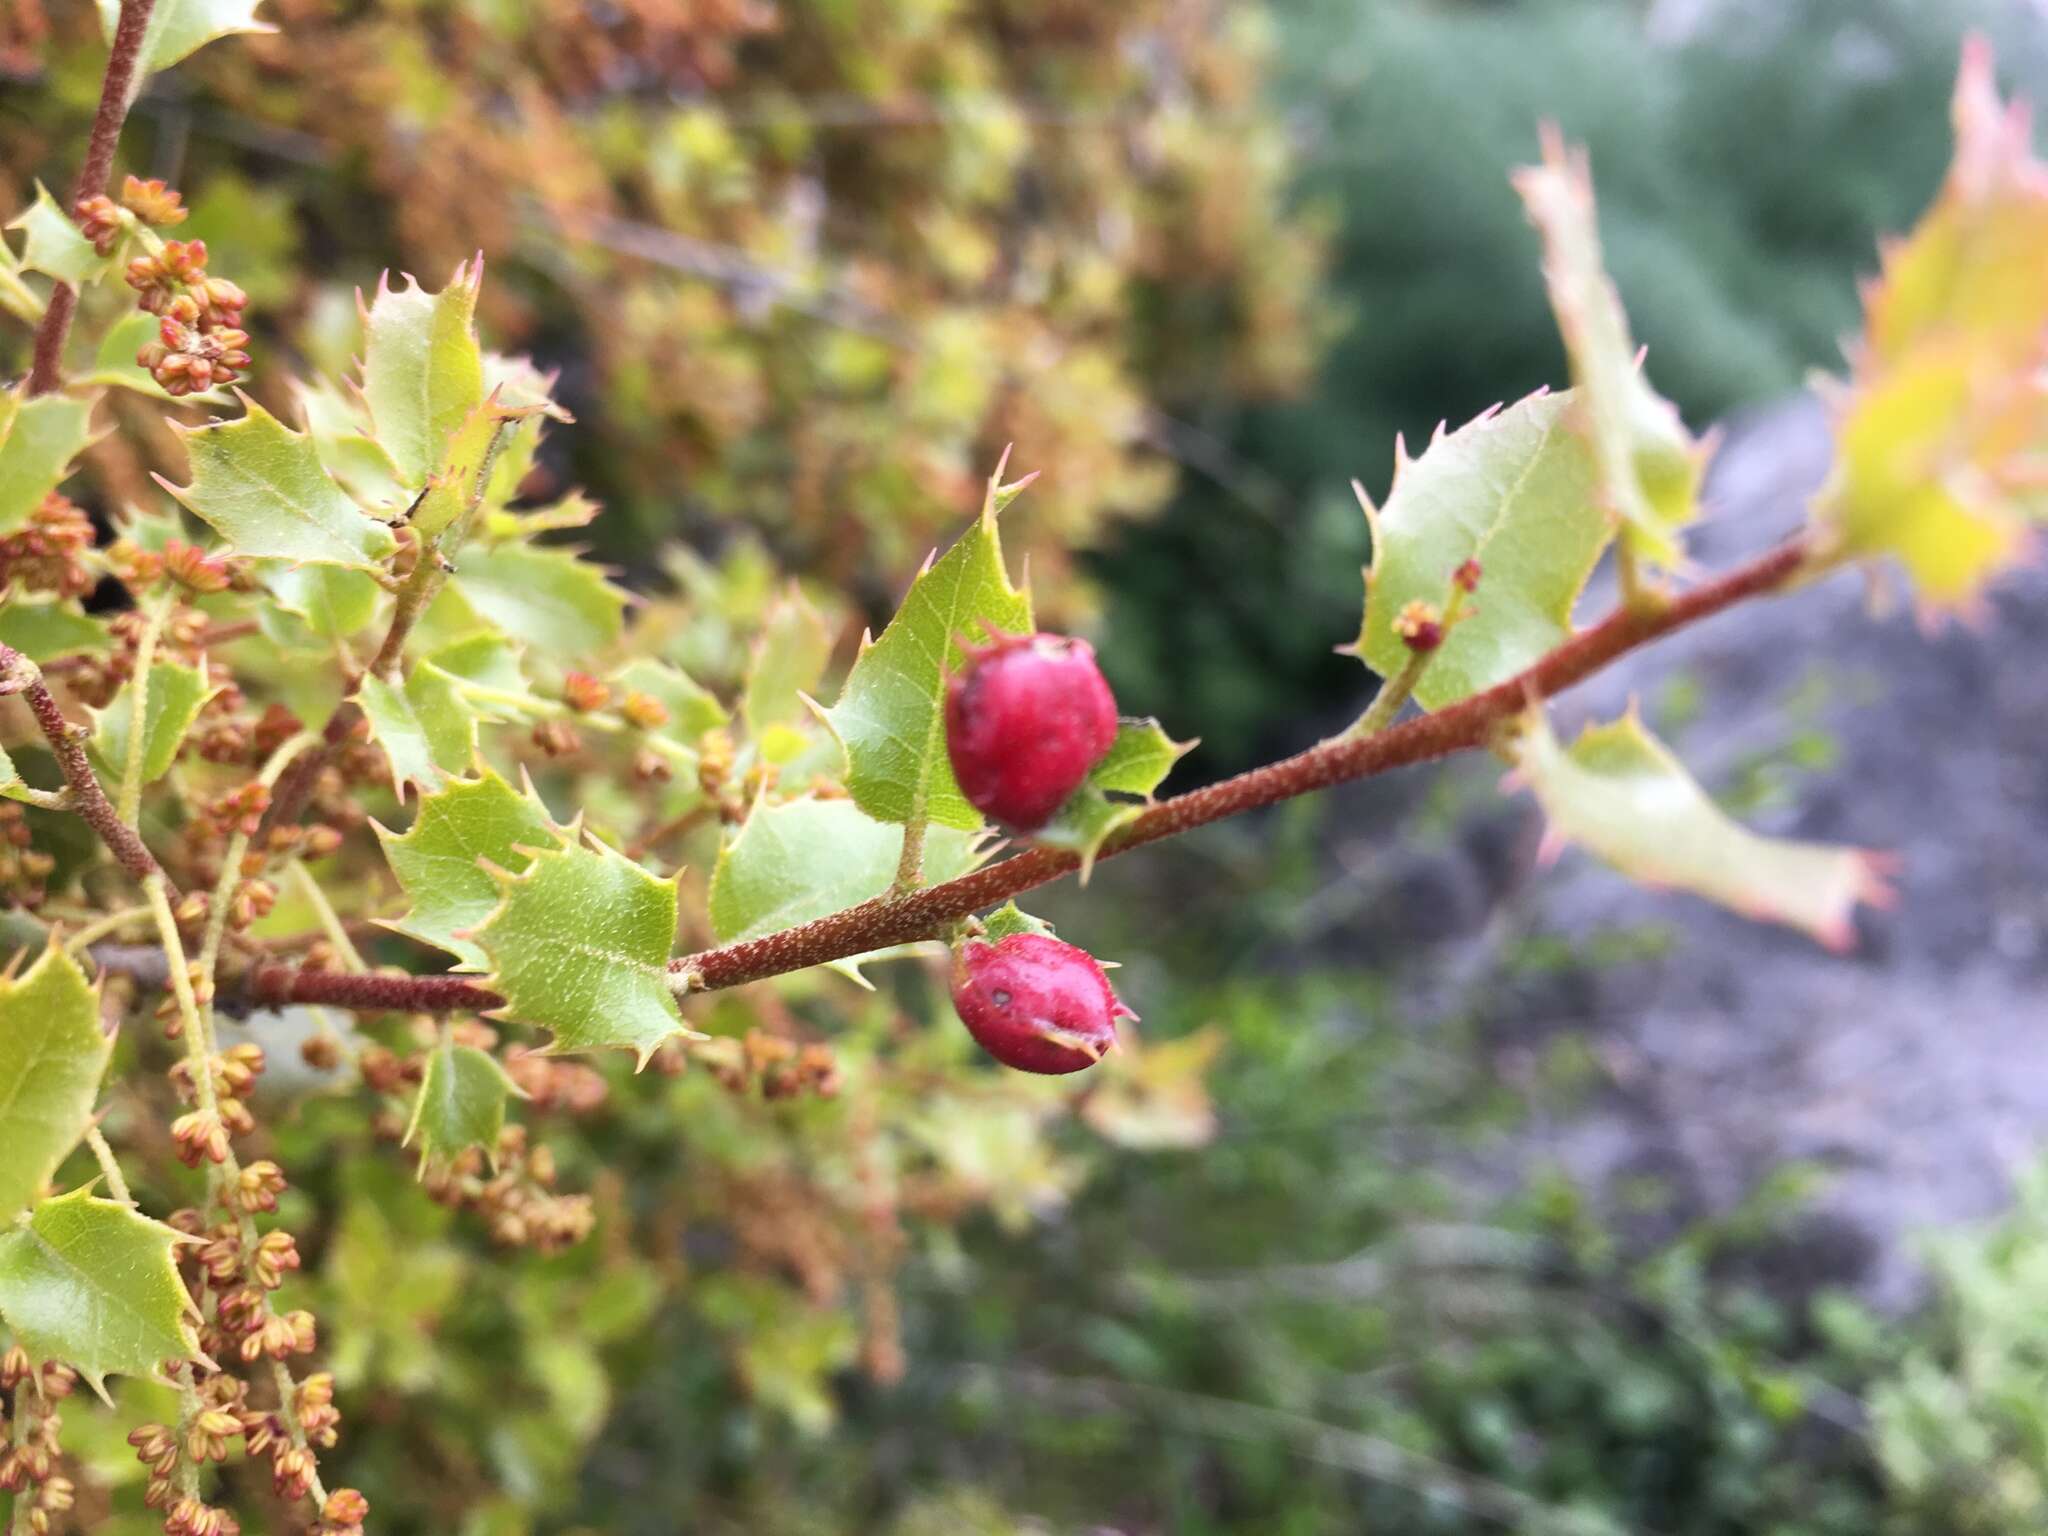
column 278, row 986
column 117, row 90
column 19, row 675
column 1472, row 722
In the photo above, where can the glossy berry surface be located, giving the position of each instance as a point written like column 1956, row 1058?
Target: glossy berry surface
column 1025, row 721
column 1036, row 1004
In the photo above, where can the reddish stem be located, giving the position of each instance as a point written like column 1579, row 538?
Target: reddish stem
column 116, row 91
column 19, row 675
column 277, row 986
column 1472, row 722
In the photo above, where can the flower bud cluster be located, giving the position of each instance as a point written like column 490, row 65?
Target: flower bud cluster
column 200, row 342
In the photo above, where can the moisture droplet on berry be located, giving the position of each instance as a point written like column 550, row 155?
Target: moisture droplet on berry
column 1035, row 1003
column 1026, row 719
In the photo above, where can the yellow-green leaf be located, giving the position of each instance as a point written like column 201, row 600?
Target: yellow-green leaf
column 38, row 440
column 891, row 716
column 579, row 945
column 423, row 372
column 42, row 629
column 179, row 28
column 261, row 487
column 1647, row 466
column 440, row 859
column 788, row 659
column 1515, row 491
column 1137, row 762
column 546, row 598
column 1618, row 793
column 425, row 725
column 54, row 245
column 52, row 1052
column 461, row 1103
column 176, row 695
column 91, row 1282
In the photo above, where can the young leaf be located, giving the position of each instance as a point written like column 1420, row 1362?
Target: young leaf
column 1513, row 489
column 340, row 429
column 1137, row 762
column 52, row 1052
column 1009, row 918
column 423, row 372
column 810, row 858
column 91, row 1282
column 38, row 440
column 261, row 487
column 580, row 944
column 1941, row 433
column 461, row 1103
column 1647, row 467
column 546, row 598
column 467, row 466
column 176, row 695
column 425, row 725
column 891, row 716
column 54, row 245
column 1621, row 795
column 41, row 630
column 439, row 860
column 179, row 28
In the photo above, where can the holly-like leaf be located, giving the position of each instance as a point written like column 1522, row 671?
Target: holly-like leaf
column 1137, row 762
column 461, row 1102
column 809, row 858
column 38, row 440
column 1513, row 490
column 423, row 372
column 179, row 28
column 54, row 245
column 333, row 602
column 1621, row 795
column 440, row 859
column 891, row 716
column 425, row 726
column 261, row 487
column 52, row 1052
column 91, row 1282
column 43, row 629
column 580, row 944
column 467, row 467
column 176, row 695
column 692, row 708
column 1941, row 433
column 1647, row 466
column 340, row 429
column 546, row 598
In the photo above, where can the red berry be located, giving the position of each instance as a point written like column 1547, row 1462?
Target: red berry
column 1025, row 721
column 1036, row 1004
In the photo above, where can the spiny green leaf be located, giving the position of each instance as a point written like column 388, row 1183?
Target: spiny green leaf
column 580, row 944
column 789, row 658
column 423, row 372
column 42, row 629
column 176, row 695
column 53, row 243
column 334, row 603
column 692, row 708
column 16, row 297
column 261, row 487
column 1084, row 824
column 1514, row 490
column 891, row 717
column 425, row 725
column 52, row 1052
column 1647, row 466
column 179, row 28
column 437, row 860
column 462, row 479
column 1010, row 919
column 38, row 440
column 91, row 1282
column 1621, row 795
column 545, row 598
column 1139, row 759
column 809, row 858
column 461, row 1102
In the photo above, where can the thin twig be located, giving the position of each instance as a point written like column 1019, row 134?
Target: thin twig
column 117, row 1185
column 117, row 90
